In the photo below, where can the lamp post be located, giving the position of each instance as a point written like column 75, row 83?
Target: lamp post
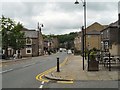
column 39, row 31
column 84, row 32
column 39, row 26
column 83, row 44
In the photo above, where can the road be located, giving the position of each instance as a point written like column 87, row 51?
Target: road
column 102, row 85
column 22, row 75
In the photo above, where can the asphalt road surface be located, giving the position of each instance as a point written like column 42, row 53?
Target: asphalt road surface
column 23, row 74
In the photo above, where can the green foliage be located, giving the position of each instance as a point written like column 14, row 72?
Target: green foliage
column 67, row 37
column 77, row 52
column 6, row 26
column 17, row 40
column 65, row 40
column 11, row 34
column 93, row 53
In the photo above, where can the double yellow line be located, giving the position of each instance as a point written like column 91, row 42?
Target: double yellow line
column 39, row 76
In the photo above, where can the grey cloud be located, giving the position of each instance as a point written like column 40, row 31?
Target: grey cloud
column 50, row 14
column 20, row 9
column 102, row 6
column 69, row 7
column 119, row 6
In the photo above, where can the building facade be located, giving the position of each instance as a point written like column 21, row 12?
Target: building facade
column 34, row 43
column 110, row 40
column 93, row 39
column 77, row 41
column 51, row 44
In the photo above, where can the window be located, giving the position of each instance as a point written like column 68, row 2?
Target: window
column 28, row 50
column 28, row 41
column 89, row 36
column 106, row 45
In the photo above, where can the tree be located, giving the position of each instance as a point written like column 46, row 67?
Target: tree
column 66, row 40
column 6, row 26
column 11, row 35
column 17, row 41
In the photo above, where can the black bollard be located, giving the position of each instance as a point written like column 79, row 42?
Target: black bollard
column 88, row 59
column 58, row 69
column 109, row 63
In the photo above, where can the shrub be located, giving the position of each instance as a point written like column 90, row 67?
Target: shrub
column 77, row 52
column 93, row 55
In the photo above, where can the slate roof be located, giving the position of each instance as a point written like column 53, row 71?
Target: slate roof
column 30, row 33
column 115, row 24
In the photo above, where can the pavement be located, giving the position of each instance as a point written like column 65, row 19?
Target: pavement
column 72, row 70
column 11, row 60
column 2, row 62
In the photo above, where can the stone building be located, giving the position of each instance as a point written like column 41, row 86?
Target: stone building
column 93, row 38
column 34, row 43
column 77, row 41
column 110, row 40
column 51, row 44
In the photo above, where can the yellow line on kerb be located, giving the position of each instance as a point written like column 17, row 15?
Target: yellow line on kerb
column 67, row 82
column 39, row 76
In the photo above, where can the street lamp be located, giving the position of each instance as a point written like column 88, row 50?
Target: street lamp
column 84, row 32
column 39, row 32
column 39, row 26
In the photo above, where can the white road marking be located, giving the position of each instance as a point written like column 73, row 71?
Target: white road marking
column 42, row 82
column 41, row 86
column 6, row 71
column 28, row 65
column 13, row 69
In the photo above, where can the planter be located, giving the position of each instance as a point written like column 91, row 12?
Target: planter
column 93, row 65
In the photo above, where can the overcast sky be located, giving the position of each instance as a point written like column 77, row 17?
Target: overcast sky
column 58, row 16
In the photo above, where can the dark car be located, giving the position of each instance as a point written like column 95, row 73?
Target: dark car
column 2, row 56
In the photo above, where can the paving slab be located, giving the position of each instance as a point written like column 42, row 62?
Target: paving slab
column 72, row 70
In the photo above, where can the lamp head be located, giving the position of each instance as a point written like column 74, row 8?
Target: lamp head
column 76, row 2
column 42, row 25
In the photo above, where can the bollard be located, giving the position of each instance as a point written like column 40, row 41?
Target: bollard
column 109, row 63
column 58, row 69
column 88, row 59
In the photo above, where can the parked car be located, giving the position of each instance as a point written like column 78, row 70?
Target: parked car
column 2, row 56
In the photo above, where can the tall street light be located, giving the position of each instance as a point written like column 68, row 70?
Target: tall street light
column 39, row 32
column 39, row 26
column 84, row 31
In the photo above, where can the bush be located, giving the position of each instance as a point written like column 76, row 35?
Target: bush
column 77, row 52
column 93, row 54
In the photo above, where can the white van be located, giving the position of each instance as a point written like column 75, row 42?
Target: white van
column 69, row 52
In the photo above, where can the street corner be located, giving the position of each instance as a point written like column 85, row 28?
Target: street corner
column 58, row 78
column 41, row 76
column 48, row 75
